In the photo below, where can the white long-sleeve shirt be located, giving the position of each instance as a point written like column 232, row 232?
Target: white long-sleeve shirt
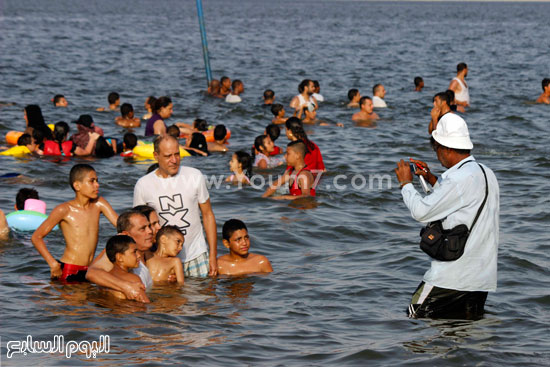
column 456, row 198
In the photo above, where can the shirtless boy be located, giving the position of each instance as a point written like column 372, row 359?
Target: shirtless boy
column 278, row 111
column 127, row 118
column 239, row 261
column 165, row 261
column 225, row 87
column 220, row 143
column 114, row 101
column 366, row 113
column 545, row 96
column 122, row 252
column 79, row 222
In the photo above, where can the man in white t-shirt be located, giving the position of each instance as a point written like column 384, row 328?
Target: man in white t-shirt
column 305, row 98
column 179, row 196
column 378, row 94
column 237, row 87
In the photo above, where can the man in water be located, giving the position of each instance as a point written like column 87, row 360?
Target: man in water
column 378, row 94
column 225, row 87
column 459, row 86
column 354, row 97
column 305, row 98
column 269, row 97
column 418, row 84
column 179, row 196
column 442, row 106
column 455, row 289
column 366, row 113
column 545, row 96
column 317, row 91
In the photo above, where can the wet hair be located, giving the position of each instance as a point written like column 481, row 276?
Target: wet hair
column 125, row 109
column 545, row 83
column 461, row 67
column 78, row 172
column 152, row 167
column 235, row 84
column 144, row 209
column 363, row 99
column 117, row 244
column 24, row 139
column 56, row 98
column 316, row 84
column 297, row 129
column 198, row 141
column 220, row 131
column 417, row 81
column 375, row 88
column 161, row 102
column 24, row 194
column 269, row 94
column 130, row 140
column 259, row 144
column 298, row 146
column 246, row 162
column 273, row 131
column 303, row 84
column 123, row 223
column 151, row 101
column 113, row 97
column 276, row 108
column 60, row 131
column 167, row 231
column 173, row 130
column 444, row 96
column 36, row 120
column 38, row 137
column 200, row 125
column 159, row 139
column 352, row 93
column 231, row 226
column 103, row 149
column 223, row 79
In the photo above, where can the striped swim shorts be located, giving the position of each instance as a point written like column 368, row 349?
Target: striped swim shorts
column 198, row 267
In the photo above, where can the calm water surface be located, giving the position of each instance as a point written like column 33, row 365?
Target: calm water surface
column 344, row 270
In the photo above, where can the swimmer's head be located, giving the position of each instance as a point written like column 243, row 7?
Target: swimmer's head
column 230, row 227
column 121, row 250
column 365, row 103
column 277, row 110
column 316, row 86
column 173, row 130
column 462, row 67
column 78, row 173
column 129, row 140
column 269, row 95
column 241, row 161
column 273, row 131
column 295, row 152
column 237, row 87
column 214, row 85
column 304, row 85
column 25, row 139
column 379, row 90
column 59, row 100
column 163, row 106
column 545, row 84
column 352, row 94
column 235, row 237
column 200, row 125
column 264, row 144
column 418, row 81
column 113, row 98
column 151, row 215
column 60, row 131
column 169, row 240
column 127, row 110
column 225, row 82
column 24, row 194
column 220, row 131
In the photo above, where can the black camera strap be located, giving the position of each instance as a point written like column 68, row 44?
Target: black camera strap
column 486, row 193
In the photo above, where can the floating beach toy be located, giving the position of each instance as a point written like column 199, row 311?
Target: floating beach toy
column 17, row 151
column 146, row 150
column 29, row 219
column 13, row 136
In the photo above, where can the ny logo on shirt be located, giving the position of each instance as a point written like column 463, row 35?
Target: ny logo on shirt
column 173, row 212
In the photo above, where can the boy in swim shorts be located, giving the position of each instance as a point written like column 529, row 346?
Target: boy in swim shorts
column 239, row 261
column 165, row 261
column 79, row 222
column 122, row 252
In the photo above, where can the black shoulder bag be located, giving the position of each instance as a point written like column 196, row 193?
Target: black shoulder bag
column 448, row 244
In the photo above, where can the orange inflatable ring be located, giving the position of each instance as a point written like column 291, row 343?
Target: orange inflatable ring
column 209, row 135
column 13, row 136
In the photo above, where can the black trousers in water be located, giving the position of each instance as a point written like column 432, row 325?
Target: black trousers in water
column 441, row 303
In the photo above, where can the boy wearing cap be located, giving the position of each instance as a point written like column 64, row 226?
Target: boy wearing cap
column 456, row 289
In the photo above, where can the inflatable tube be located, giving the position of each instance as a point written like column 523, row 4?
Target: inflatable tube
column 146, row 151
column 18, row 151
column 26, row 220
column 12, row 136
column 209, row 135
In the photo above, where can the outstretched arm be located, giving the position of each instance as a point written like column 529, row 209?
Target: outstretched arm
column 280, row 182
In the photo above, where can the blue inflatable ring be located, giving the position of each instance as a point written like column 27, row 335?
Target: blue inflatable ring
column 26, row 220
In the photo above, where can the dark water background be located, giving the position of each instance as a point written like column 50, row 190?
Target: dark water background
column 345, row 270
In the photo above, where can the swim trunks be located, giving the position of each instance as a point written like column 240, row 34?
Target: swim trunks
column 198, row 267
column 73, row 273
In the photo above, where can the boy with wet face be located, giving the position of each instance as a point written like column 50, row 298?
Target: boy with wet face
column 239, row 261
column 122, row 252
column 165, row 261
column 79, row 222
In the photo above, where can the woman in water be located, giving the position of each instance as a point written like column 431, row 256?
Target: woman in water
column 163, row 109
column 313, row 159
column 35, row 121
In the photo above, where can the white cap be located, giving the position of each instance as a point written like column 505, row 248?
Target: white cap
column 452, row 132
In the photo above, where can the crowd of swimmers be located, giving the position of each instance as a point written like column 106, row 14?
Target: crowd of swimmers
column 79, row 217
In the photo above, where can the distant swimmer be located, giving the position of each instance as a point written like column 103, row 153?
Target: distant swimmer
column 418, row 84
column 269, row 97
column 149, row 104
column 225, row 87
column 237, row 88
column 354, row 97
column 278, row 111
column 317, row 91
column 378, row 94
column 214, row 88
column 442, row 106
column 545, row 96
column 306, row 90
column 220, row 142
column 127, row 118
column 114, row 101
column 59, row 100
column 459, row 86
column 366, row 113
column 239, row 261
column 241, row 168
column 123, row 253
column 79, row 222
column 162, row 110
column 165, row 262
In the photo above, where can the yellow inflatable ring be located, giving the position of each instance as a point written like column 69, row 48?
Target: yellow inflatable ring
column 146, row 150
column 18, row 151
